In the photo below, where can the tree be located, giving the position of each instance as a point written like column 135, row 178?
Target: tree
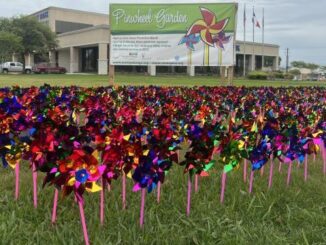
column 302, row 64
column 299, row 64
column 279, row 61
column 312, row 66
column 9, row 44
column 35, row 36
column 295, row 72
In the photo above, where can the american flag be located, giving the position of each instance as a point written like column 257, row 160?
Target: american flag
column 254, row 20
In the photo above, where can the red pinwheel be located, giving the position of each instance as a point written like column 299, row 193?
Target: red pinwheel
column 208, row 26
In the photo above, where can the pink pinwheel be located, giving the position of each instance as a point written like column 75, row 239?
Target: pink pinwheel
column 221, row 39
column 208, row 26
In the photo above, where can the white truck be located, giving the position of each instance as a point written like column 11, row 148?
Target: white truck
column 14, row 67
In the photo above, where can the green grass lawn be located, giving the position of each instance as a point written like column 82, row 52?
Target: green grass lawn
column 282, row 215
column 136, row 79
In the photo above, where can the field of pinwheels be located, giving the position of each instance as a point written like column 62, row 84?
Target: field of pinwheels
column 159, row 165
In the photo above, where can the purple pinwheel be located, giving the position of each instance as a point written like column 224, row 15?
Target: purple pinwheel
column 221, row 39
column 190, row 41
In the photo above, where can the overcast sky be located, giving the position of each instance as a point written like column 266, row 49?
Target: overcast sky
column 299, row 25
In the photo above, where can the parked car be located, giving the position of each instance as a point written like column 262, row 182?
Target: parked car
column 48, row 68
column 14, row 67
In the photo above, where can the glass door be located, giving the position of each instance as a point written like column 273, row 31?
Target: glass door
column 90, row 59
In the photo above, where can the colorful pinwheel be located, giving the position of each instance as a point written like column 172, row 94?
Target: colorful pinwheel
column 208, row 26
column 221, row 39
column 190, row 41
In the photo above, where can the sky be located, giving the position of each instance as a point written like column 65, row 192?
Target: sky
column 299, row 25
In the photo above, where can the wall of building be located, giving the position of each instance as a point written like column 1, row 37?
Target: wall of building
column 75, row 18
column 89, row 36
column 64, row 58
column 67, row 15
column 257, row 48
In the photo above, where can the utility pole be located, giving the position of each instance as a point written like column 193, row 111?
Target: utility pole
column 287, row 60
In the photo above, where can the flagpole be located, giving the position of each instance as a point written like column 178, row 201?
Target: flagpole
column 253, row 39
column 244, row 44
column 263, row 40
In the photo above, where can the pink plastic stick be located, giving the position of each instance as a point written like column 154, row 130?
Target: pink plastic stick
column 289, row 173
column 223, row 183
column 189, row 195
column 251, row 181
column 245, row 166
column 306, row 167
column 17, row 170
column 280, row 167
column 55, row 204
column 34, row 185
column 102, row 201
column 270, row 180
column 196, row 183
column 262, row 171
column 124, row 190
column 158, row 192
column 83, row 221
column 142, row 208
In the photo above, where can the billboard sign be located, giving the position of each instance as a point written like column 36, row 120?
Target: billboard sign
column 173, row 34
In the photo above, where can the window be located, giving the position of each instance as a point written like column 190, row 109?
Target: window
column 64, row 26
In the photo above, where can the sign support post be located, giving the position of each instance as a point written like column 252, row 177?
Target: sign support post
column 111, row 67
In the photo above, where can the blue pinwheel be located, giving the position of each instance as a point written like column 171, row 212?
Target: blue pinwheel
column 190, row 41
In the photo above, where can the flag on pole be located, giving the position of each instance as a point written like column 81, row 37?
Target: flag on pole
column 244, row 16
column 244, row 39
column 255, row 21
column 263, row 18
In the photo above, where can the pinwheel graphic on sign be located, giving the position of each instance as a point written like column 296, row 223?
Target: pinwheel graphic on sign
column 208, row 27
column 220, row 40
column 190, row 41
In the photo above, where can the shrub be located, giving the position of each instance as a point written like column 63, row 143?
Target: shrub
column 289, row 76
column 277, row 75
column 258, row 75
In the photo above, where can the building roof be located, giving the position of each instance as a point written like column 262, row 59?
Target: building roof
column 69, row 10
column 258, row 44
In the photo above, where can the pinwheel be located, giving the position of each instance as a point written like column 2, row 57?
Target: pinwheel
column 190, row 41
column 220, row 40
column 207, row 28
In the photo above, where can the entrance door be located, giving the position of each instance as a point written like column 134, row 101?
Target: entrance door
column 90, row 59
